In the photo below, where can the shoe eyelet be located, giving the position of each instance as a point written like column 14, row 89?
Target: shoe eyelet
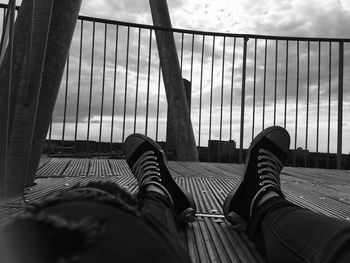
column 261, row 184
column 261, row 150
column 260, row 177
column 259, row 157
column 259, row 171
column 259, row 164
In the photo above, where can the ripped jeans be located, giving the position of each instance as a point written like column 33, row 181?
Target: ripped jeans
column 285, row 232
column 103, row 225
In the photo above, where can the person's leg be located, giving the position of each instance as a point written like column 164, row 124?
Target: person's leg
column 148, row 163
column 102, row 222
column 282, row 231
column 160, row 211
column 166, row 205
column 99, row 222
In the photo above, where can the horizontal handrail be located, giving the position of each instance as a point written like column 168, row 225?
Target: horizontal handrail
column 199, row 32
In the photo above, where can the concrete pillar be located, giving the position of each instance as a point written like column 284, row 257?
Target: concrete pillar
column 188, row 90
column 64, row 17
column 30, row 36
column 180, row 132
column 40, row 50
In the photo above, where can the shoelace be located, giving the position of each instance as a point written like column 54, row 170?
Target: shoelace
column 147, row 172
column 269, row 169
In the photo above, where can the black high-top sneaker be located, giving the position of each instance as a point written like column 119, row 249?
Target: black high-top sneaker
column 148, row 163
column 266, row 156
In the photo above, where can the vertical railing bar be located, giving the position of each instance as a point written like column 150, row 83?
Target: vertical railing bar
column 6, row 17
column 191, row 72
column 114, row 82
column 137, row 78
column 182, row 50
column 222, row 85
column 297, row 102
column 158, row 99
column 79, row 84
column 211, row 86
column 103, row 89
column 276, row 77
column 50, row 134
column 307, row 95
column 318, row 100
column 286, row 86
column 231, row 95
column 243, row 99
column 148, row 78
column 28, row 59
column 191, row 75
column 232, row 79
column 65, row 101
column 91, row 82
column 340, row 105
column 3, row 17
column 254, row 87
column 222, row 92
column 159, row 84
column 264, row 89
column 126, row 80
column 329, row 101
column 11, row 13
column 200, row 94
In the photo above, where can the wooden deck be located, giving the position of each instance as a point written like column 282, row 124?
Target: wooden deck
column 210, row 238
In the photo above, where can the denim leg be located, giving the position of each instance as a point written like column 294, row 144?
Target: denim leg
column 285, row 232
column 160, row 211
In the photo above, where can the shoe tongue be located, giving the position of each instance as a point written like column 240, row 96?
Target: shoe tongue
column 269, row 145
column 145, row 146
column 281, row 139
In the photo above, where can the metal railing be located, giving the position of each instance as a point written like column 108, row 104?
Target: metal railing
column 240, row 84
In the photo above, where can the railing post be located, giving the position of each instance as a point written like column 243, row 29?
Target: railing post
column 340, row 105
column 243, row 99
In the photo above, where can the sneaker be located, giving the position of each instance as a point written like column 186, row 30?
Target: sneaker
column 148, row 163
column 266, row 156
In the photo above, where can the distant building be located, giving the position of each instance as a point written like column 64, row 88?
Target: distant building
column 221, row 151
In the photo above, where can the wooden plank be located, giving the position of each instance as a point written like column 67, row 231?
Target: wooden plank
column 119, row 167
column 77, row 167
column 54, row 168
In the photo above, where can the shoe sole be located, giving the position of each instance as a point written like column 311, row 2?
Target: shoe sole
column 188, row 214
column 230, row 215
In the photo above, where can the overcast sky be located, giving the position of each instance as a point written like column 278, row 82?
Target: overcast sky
column 303, row 18
column 312, row 18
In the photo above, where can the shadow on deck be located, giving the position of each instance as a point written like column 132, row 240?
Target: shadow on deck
column 210, row 238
